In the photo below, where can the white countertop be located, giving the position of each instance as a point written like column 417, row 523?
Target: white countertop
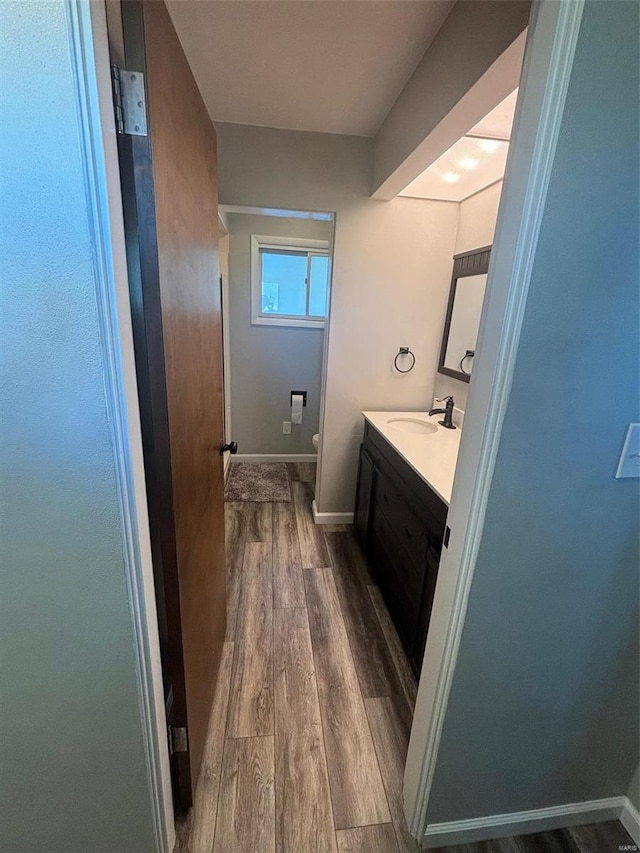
column 433, row 456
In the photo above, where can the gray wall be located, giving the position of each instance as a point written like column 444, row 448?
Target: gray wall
column 268, row 362
column 544, row 704
column 73, row 769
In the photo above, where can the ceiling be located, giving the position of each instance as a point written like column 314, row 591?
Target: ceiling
column 472, row 163
column 334, row 66
column 498, row 123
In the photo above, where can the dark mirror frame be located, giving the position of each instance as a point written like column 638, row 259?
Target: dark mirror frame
column 475, row 262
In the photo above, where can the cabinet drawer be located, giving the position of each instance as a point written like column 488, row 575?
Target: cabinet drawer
column 408, row 528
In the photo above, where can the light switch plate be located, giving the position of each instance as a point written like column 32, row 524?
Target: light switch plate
column 286, row 427
column 629, row 465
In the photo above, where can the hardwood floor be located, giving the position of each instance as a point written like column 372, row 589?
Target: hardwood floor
column 310, row 724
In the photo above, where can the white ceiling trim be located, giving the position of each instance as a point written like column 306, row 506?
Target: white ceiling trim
column 320, row 215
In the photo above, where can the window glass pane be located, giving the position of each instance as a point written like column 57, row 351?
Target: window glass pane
column 319, row 285
column 283, row 287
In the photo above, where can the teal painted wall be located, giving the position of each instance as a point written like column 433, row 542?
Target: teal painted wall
column 73, row 774
column 544, row 703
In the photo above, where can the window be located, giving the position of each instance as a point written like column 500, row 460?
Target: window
column 289, row 281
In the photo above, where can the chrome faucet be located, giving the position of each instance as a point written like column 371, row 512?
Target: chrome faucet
column 447, row 423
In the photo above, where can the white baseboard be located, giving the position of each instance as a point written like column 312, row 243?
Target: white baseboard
column 630, row 819
column 331, row 517
column 276, row 457
column 536, row 820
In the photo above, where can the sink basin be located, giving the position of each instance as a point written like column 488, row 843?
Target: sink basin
column 412, row 425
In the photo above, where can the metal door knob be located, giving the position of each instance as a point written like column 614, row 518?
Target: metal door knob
column 232, row 447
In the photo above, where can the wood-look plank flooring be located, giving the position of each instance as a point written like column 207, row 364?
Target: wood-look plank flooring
column 251, row 700
column 196, row 833
column 288, row 582
column 375, row 668
column 390, row 722
column 356, row 783
column 313, row 547
column 405, row 674
column 605, row 837
column 310, row 724
column 246, row 812
column 368, row 839
column 236, row 536
column 302, row 783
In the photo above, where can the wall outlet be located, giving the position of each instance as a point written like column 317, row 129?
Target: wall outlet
column 286, row 427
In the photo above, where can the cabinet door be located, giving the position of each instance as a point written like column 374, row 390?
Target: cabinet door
column 431, row 576
column 396, row 576
column 364, row 492
column 409, row 528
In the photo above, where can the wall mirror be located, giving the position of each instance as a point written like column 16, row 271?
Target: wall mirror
column 466, row 296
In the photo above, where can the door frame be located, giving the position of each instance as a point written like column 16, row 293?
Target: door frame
column 551, row 42
column 224, row 251
column 548, row 62
column 325, row 215
column 91, row 68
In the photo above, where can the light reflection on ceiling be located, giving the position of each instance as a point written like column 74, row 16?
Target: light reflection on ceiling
column 472, row 163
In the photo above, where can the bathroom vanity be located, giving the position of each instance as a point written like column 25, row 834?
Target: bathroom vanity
column 407, row 464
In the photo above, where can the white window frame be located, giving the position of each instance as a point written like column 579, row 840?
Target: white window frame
column 296, row 244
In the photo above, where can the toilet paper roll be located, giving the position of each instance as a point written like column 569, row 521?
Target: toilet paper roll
column 296, row 409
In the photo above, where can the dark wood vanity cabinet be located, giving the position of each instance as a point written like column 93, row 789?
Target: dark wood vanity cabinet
column 400, row 523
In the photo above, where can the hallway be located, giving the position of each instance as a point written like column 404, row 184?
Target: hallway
column 312, row 714
column 315, row 691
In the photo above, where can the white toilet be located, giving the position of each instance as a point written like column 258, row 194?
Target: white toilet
column 316, row 440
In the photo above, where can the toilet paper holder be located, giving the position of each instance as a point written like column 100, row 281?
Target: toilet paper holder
column 302, row 394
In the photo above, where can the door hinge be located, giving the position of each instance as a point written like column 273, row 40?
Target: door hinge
column 447, row 534
column 177, row 739
column 129, row 101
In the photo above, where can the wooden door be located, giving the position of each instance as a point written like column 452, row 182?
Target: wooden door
column 169, row 183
